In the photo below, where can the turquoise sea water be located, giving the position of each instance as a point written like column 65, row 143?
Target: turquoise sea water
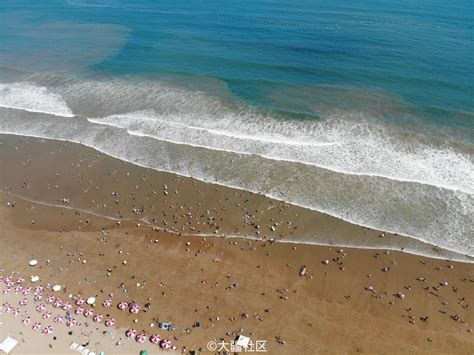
column 363, row 110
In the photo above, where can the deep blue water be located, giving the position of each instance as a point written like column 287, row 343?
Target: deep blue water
column 372, row 99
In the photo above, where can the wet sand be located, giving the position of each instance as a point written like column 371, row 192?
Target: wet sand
column 105, row 228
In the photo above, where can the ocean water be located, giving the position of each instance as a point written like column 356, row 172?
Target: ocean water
column 362, row 110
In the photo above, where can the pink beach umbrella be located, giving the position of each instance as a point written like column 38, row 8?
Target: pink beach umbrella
column 7, row 291
column 47, row 330
column 140, row 338
column 58, row 319
column 36, row 326
column 134, row 308
column 71, row 323
column 50, row 299
column 165, row 344
column 130, row 333
column 38, row 289
column 10, row 284
column 20, row 280
column 26, row 321
column 26, row 291
column 109, row 322
column 15, row 312
column 66, row 306
column 8, row 279
column 107, row 303
column 79, row 310
column 122, row 305
column 46, row 315
column 98, row 318
column 18, row 288
column 58, row 303
column 23, row 302
column 88, row 313
column 80, row 301
column 155, row 338
column 40, row 308
column 38, row 297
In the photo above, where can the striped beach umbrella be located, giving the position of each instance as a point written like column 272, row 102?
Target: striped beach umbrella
column 38, row 289
column 134, row 308
column 58, row 303
column 50, row 299
column 70, row 323
column 66, row 306
column 10, row 284
column 80, row 301
column 46, row 315
column 40, row 308
column 58, row 319
column 38, row 297
column 109, row 322
column 20, row 280
column 98, row 318
column 79, row 310
column 130, row 333
column 140, row 338
column 26, row 291
column 23, row 302
column 155, row 338
column 7, row 291
column 18, row 288
column 165, row 344
column 47, row 330
column 107, row 303
column 36, row 326
column 26, row 321
column 8, row 279
column 88, row 313
column 122, row 305
column 15, row 312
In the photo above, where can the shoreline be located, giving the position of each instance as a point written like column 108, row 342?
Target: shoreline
column 415, row 244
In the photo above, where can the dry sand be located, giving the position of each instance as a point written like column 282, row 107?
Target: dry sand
column 104, row 228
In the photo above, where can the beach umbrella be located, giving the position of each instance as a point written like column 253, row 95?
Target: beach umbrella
column 23, row 302
column 8, row 279
column 26, row 291
column 66, row 306
column 46, row 315
column 58, row 303
column 122, row 305
column 33, row 262
column 15, row 312
column 20, row 280
column 18, row 288
column 50, row 299
column 88, row 313
column 47, row 330
column 38, row 297
column 79, row 310
column 165, row 344
column 34, row 278
column 57, row 288
column 39, row 289
column 140, row 338
column 109, row 322
column 155, row 338
column 98, row 318
column 91, row 300
column 58, row 319
column 71, row 323
column 107, row 303
column 130, row 333
column 36, row 326
column 7, row 291
column 40, row 308
column 80, row 301
column 134, row 308
column 10, row 284
column 26, row 321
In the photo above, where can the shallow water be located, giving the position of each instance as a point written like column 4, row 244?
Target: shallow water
column 362, row 111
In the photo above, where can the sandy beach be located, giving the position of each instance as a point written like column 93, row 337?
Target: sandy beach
column 209, row 260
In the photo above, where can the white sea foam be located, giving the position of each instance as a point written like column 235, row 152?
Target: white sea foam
column 33, row 98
